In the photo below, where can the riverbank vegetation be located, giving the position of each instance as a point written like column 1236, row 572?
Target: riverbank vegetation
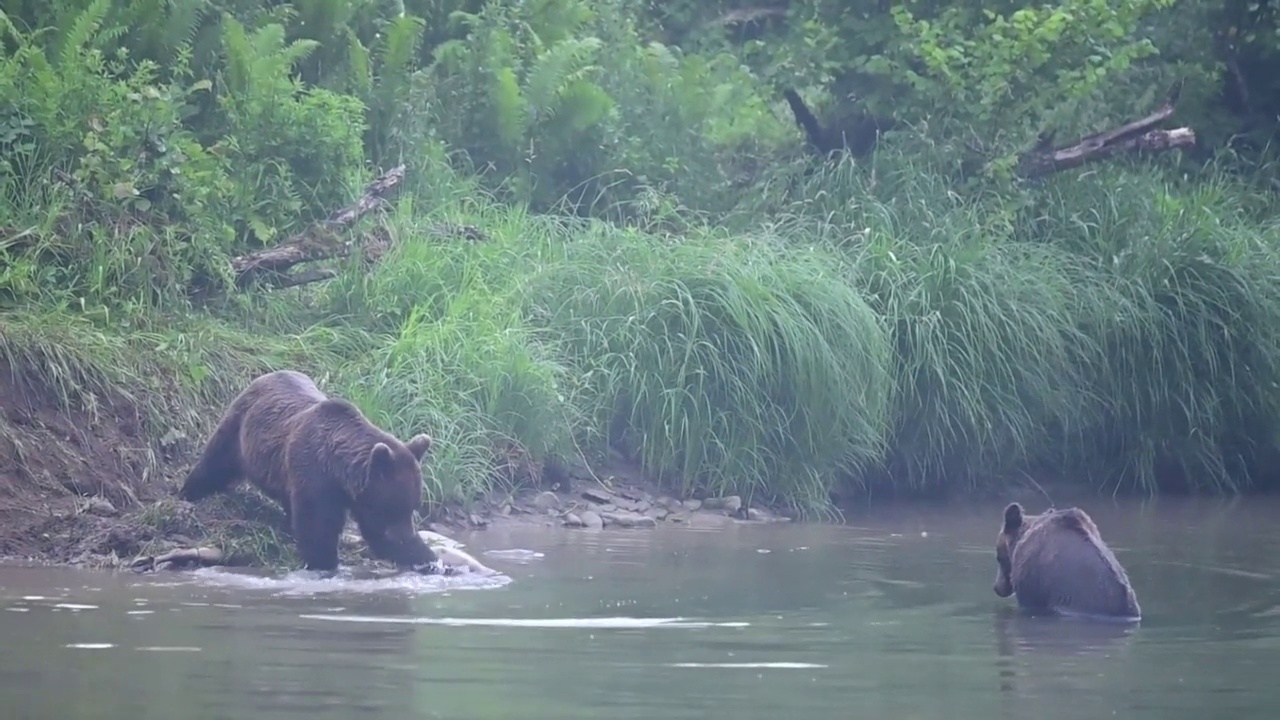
column 604, row 228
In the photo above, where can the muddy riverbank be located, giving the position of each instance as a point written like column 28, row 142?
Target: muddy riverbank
column 91, row 488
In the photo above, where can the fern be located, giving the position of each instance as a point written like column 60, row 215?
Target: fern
column 584, row 104
column 261, row 55
column 11, row 30
column 401, row 47
column 509, row 105
column 555, row 70
column 359, row 66
column 85, row 31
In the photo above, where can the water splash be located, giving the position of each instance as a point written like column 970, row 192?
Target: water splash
column 304, row 582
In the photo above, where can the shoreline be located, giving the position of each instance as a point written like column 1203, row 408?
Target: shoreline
column 94, row 486
column 248, row 530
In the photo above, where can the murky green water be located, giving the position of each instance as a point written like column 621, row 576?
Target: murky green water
column 892, row 618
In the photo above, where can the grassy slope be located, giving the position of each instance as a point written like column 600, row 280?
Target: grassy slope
column 770, row 361
column 864, row 327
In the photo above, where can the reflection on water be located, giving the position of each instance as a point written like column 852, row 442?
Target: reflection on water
column 888, row 616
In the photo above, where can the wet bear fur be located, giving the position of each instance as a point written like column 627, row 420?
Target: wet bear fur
column 318, row 457
column 1057, row 562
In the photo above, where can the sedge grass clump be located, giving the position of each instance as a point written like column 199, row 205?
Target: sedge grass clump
column 480, row 387
column 1189, row 385
column 990, row 362
column 170, row 369
column 723, row 363
column 450, row 353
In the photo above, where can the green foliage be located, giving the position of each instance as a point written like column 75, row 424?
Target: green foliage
column 99, row 149
column 995, row 72
column 452, row 356
column 729, row 363
column 295, row 152
column 560, row 102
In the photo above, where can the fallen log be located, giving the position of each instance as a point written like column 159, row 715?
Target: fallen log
column 319, row 241
column 182, row 556
column 1139, row 134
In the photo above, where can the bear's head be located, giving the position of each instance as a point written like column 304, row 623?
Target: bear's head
column 385, row 503
column 394, row 474
column 1010, row 533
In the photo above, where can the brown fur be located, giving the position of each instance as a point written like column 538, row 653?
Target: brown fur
column 318, row 457
column 1056, row 561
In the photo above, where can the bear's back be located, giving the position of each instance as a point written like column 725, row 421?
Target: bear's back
column 271, row 408
column 335, row 430
column 1062, row 562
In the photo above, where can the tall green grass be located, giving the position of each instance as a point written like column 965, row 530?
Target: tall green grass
column 868, row 324
column 721, row 363
column 726, row 363
column 1190, row 327
column 1116, row 329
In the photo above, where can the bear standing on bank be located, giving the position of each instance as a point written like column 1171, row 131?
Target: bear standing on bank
column 318, row 457
column 1057, row 562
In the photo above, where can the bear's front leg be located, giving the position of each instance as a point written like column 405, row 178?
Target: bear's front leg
column 318, row 519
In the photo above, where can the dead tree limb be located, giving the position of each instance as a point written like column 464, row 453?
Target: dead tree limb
column 176, row 558
column 1139, row 134
column 319, row 241
column 745, row 15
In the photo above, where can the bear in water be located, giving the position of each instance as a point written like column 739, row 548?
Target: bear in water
column 318, row 457
column 1057, row 562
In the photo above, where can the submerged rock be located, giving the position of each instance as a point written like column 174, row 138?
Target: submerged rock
column 627, row 520
column 591, row 520
column 670, row 503
column 546, row 500
column 600, row 497
column 730, row 504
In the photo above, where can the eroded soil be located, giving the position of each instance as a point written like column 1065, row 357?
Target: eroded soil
column 85, row 486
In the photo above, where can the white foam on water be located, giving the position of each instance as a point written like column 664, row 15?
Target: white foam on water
column 90, row 646
column 516, row 554
column 608, row 623
column 75, row 606
column 302, row 582
column 18, row 609
column 140, row 612
column 774, row 665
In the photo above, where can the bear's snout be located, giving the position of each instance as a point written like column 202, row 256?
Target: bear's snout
column 1003, row 588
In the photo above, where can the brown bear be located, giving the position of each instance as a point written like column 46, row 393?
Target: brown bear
column 1056, row 562
column 318, row 457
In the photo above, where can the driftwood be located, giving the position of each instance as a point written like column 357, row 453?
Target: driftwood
column 745, row 15
column 1140, row 134
column 320, row 241
column 181, row 556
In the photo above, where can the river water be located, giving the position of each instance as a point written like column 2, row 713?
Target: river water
column 889, row 616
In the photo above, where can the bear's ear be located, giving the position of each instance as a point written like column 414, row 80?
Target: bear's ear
column 419, row 445
column 380, row 459
column 1012, row 518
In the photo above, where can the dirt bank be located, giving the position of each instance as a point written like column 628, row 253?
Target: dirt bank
column 84, row 484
